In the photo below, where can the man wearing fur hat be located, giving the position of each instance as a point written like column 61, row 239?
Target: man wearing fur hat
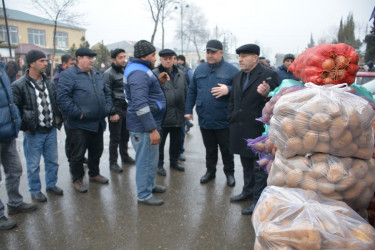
column 35, row 96
column 119, row 135
column 248, row 97
column 144, row 117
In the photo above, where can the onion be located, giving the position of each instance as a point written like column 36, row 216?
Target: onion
column 328, row 64
column 341, row 62
column 327, row 81
column 352, row 68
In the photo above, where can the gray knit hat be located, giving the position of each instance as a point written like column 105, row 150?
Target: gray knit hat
column 143, row 48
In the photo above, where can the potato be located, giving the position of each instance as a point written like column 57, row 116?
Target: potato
column 313, row 106
column 301, row 123
column 268, row 146
column 344, row 140
column 364, row 198
column 309, row 183
column 322, row 147
column 349, row 150
column 366, row 116
column 278, row 179
column 363, row 140
column 295, row 144
column 284, row 109
column 310, row 140
column 356, row 132
column 354, row 122
column 334, row 196
column 364, row 153
column 338, row 126
column 336, row 172
column 287, row 126
column 294, row 177
column 320, row 122
column 259, row 146
column 353, row 192
column 345, row 183
column 263, row 162
column 318, row 157
column 333, row 109
column 325, row 187
column 324, row 136
column 319, row 169
column 359, row 168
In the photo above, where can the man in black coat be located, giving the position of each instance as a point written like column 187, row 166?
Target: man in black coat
column 248, row 97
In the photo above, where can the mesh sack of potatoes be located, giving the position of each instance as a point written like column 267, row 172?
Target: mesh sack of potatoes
column 340, row 178
column 293, row 218
column 325, row 119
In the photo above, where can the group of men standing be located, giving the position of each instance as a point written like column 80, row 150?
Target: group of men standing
column 143, row 104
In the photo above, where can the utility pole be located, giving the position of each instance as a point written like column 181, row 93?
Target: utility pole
column 7, row 27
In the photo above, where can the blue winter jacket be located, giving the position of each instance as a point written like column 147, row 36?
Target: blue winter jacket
column 146, row 100
column 283, row 74
column 212, row 112
column 10, row 121
column 80, row 94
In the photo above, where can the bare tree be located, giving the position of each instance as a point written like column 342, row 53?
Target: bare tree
column 156, row 8
column 165, row 15
column 194, row 30
column 57, row 11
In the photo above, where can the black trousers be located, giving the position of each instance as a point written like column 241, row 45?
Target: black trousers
column 67, row 142
column 118, row 138
column 212, row 138
column 80, row 141
column 175, row 134
column 255, row 178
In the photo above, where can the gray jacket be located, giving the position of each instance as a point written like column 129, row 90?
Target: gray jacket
column 175, row 91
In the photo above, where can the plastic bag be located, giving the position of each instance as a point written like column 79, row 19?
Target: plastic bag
column 326, row 64
column 292, row 218
column 346, row 179
column 324, row 119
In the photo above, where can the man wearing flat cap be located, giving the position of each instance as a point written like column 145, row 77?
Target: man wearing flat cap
column 248, row 97
column 209, row 92
column 144, row 117
column 35, row 96
column 175, row 90
column 119, row 135
column 84, row 99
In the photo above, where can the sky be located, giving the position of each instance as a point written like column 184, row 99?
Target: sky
column 278, row 26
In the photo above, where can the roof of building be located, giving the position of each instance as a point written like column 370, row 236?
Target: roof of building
column 25, row 17
column 128, row 46
column 23, row 48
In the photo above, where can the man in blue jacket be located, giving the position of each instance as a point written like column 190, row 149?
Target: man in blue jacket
column 10, row 123
column 209, row 92
column 85, row 100
column 283, row 72
column 144, row 117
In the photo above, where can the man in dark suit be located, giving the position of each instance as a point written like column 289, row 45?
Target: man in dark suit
column 248, row 97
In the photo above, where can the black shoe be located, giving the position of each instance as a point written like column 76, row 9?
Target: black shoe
column 161, row 171
column 207, row 177
column 153, row 201
column 115, row 168
column 182, row 157
column 159, row 189
column 24, row 207
column 231, row 182
column 240, row 197
column 39, row 197
column 55, row 190
column 128, row 160
column 6, row 223
column 99, row 179
column 177, row 167
column 249, row 210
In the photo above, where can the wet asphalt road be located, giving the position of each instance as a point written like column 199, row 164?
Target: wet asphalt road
column 194, row 215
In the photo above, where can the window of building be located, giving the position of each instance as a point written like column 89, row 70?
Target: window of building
column 37, row 37
column 13, row 33
column 61, row 39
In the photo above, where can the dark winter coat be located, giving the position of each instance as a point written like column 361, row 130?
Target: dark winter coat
column 283, row 74
column 26, row 101
column 11, row 69
column 212, row 111
column 113, row 78
column 245, row 106
column 146, row 100
column 56, row 76
column 80, row 94
column 175, row 91
column 10, row 121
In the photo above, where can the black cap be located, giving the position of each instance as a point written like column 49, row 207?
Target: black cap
column 289, row 56
column 115, row 52
column 181, row 57
column 214, row 45
column 167, row 52
column 248, row 49
column 34, row 55
column 85, row 52
column 261, row 58
column 143, row 48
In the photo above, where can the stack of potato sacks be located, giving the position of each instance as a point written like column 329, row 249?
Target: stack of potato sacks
column 325, row 142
